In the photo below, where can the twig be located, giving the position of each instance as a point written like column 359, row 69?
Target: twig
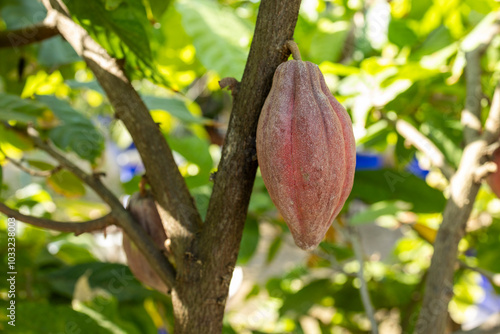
column 486, row 273
column 27, row 35
column 333, row 262
column 351, row 233
column 365, row 295
column 137, row 234
column 32, row 172
column 77, row 228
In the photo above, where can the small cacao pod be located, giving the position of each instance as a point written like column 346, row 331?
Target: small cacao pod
column 143, row 209
column 493, row 179
column 306, row 151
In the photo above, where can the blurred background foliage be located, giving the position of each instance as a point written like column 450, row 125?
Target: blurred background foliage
column 382, row 59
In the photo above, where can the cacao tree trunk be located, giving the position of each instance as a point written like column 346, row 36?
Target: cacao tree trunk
column 201, row 290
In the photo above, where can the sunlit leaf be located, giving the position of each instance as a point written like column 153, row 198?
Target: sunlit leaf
column 66, row 183
column 221, row 38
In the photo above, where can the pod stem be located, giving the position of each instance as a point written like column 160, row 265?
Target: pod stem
column 294, row 49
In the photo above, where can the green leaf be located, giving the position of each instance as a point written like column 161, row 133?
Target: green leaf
column 111, row 277
column 175, row 106
column 14, row 108
column 53, row 318
column 400, row 34
column 158, row 7
column 194, row 150
column 249, row 240
column 41, row 165
column 391, row 184
column 55, row 52
column 15, row 139
column 301, row 301
column 327, row 44
column 220, row 37
column 22, row 13
column 76, row 132
column 273, row 249
column 377, row 210
column 122, row 29
column 66, row 183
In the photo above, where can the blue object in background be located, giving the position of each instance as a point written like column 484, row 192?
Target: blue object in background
column 374, row 161
column 414, row 168
column 368, row 161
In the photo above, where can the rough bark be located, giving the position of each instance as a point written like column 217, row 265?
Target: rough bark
column 199, row 300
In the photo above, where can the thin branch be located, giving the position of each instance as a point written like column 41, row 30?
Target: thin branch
column 75, row 227
column 463, row 192
column 353, row 235
column 27, row 35
column 486, row 273
column 32, row 172
column 424, row 145
column 181, row 218
column 137, row 234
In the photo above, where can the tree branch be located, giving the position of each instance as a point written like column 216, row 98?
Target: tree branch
column 219, row 241
column 77, row 228
column 27, row 35
column 123, row 219
column 32, row 172
column 424, row 145
column 236, row 173
column 471, row 115
column 177, row 208
column 463, row 191
column 365, row 295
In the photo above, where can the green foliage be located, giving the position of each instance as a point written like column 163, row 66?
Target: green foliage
column 384, row 60
column 220, row 37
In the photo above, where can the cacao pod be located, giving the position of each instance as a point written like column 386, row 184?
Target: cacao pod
column 143, row 209
column 306, row 151
column 493, row 179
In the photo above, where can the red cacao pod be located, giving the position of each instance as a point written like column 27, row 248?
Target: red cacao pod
column 494, row 178
column 306, row 151
column 143, row 209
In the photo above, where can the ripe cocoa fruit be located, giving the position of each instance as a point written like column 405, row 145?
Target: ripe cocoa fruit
column 143, row 208
column 493, row 179
column 306, row 150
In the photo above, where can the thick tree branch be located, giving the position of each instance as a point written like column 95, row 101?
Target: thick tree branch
column 181, row 218
column 122, row 217
column 77, row 228
column 221, row 235
column 463, row 190
column 27, row 35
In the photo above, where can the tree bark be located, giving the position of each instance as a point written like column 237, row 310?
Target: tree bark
column 199, row 300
